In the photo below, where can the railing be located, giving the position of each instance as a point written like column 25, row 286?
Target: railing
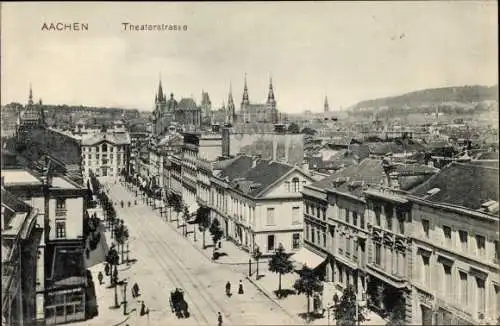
column 61, row 211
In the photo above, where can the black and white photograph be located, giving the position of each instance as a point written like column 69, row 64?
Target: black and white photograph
column 241, row 163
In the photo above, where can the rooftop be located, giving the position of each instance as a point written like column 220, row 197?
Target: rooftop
column 110, row 137
column 461, row 184
column 16, row 177
column 60, row 182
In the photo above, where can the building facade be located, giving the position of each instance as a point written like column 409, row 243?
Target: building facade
column 106, row 154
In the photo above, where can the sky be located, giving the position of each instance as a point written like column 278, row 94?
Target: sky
column 348, row 51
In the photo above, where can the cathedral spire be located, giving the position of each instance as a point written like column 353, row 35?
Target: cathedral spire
column 160, row 97
column 326, row 106
column 231, row 112
column 270, row 95
column 245, row 100
column 30, row 98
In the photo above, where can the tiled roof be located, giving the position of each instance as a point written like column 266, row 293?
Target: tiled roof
column 253, row 180
column 266, row 173
column 14, row 203
column 237, row 168
column 461, row 184
column 111, row 137
column 186, row 104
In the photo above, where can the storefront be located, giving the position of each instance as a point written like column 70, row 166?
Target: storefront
column 64, row 306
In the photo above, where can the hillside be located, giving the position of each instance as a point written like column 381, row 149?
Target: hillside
column 432, row 96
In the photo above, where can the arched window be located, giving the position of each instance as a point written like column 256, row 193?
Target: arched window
column 104, row 147
column 295, row 184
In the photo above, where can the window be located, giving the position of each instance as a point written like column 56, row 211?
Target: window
column 295, row 184
column 389, row 221
column 104, row 147
column 425, row 227
column 347, row 246
column 324, row 239
column 312, row 234
column 355, row 218
column 307, row 231
column 463, row 287
column 295, row 215
column 480, row 244
column 296, row 240
column 481, row 295
column 401, row 222
column 463, row 239
column 447, row 282
column 60, row 229
column 270, row 242
column 270, row 216
column 362, row 221
column 287, row 186
column 376, row 209
column 346, row 212
column 355, row 249
column 497, row 251
column 324, row 214
column 378, row 254
column 307, row 208
column 97, row 156
column 425, row 270
column 317, row 234
column 447, row 234
column 60, row 207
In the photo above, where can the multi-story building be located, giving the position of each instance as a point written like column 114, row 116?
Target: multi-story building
column 347, row 239
column 456, row 249
column 21, row 238
column 106, row 154
column 61, row 282
column 259, row 202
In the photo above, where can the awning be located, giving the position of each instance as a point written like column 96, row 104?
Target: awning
column 306, row 257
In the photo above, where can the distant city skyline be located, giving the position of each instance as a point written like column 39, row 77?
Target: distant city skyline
column 349, row 52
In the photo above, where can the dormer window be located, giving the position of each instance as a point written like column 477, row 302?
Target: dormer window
column 295, row 184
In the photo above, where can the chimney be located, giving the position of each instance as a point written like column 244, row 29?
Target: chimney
column 275, row 146
column 305, row 166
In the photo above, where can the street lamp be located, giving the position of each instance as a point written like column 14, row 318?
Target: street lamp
column 124, row 297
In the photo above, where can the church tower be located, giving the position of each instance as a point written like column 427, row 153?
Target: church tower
column 326, row 106
column 159, row 111
column 231, row 112
column 271, row 103
column 245, row 101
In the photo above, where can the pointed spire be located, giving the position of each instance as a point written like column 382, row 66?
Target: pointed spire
column 30, row 98
column 326, row 106
column 270, row 95
column 245, row 100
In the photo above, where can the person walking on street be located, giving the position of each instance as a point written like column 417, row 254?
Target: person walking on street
column 100, row 277
column 106, row 269
column 240, row 288
column 228, row 289
column 219, row 319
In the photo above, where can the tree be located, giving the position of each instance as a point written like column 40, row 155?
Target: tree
column 308, row 283
column 293, row 128
column 203, row 220
column 216, row 232
column 185, row 217
column 112, row 259
column 308, row 131
column 346, row 310
column 256, row 255
column 177, row 205
column 280, row 263
column 398, row 314
column 121, row 235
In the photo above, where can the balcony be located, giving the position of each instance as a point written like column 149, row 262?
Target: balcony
column 61, row 212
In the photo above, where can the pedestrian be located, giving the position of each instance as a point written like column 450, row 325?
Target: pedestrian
column 100, row 277
column 87, row 253
column 143, row 308
column 228, row 288
column 106, row 269
column 219, row 319
column 240, row 288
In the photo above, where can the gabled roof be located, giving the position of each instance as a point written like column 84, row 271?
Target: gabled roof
column 13, row 203
column 265, row 173
column 461, row 184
